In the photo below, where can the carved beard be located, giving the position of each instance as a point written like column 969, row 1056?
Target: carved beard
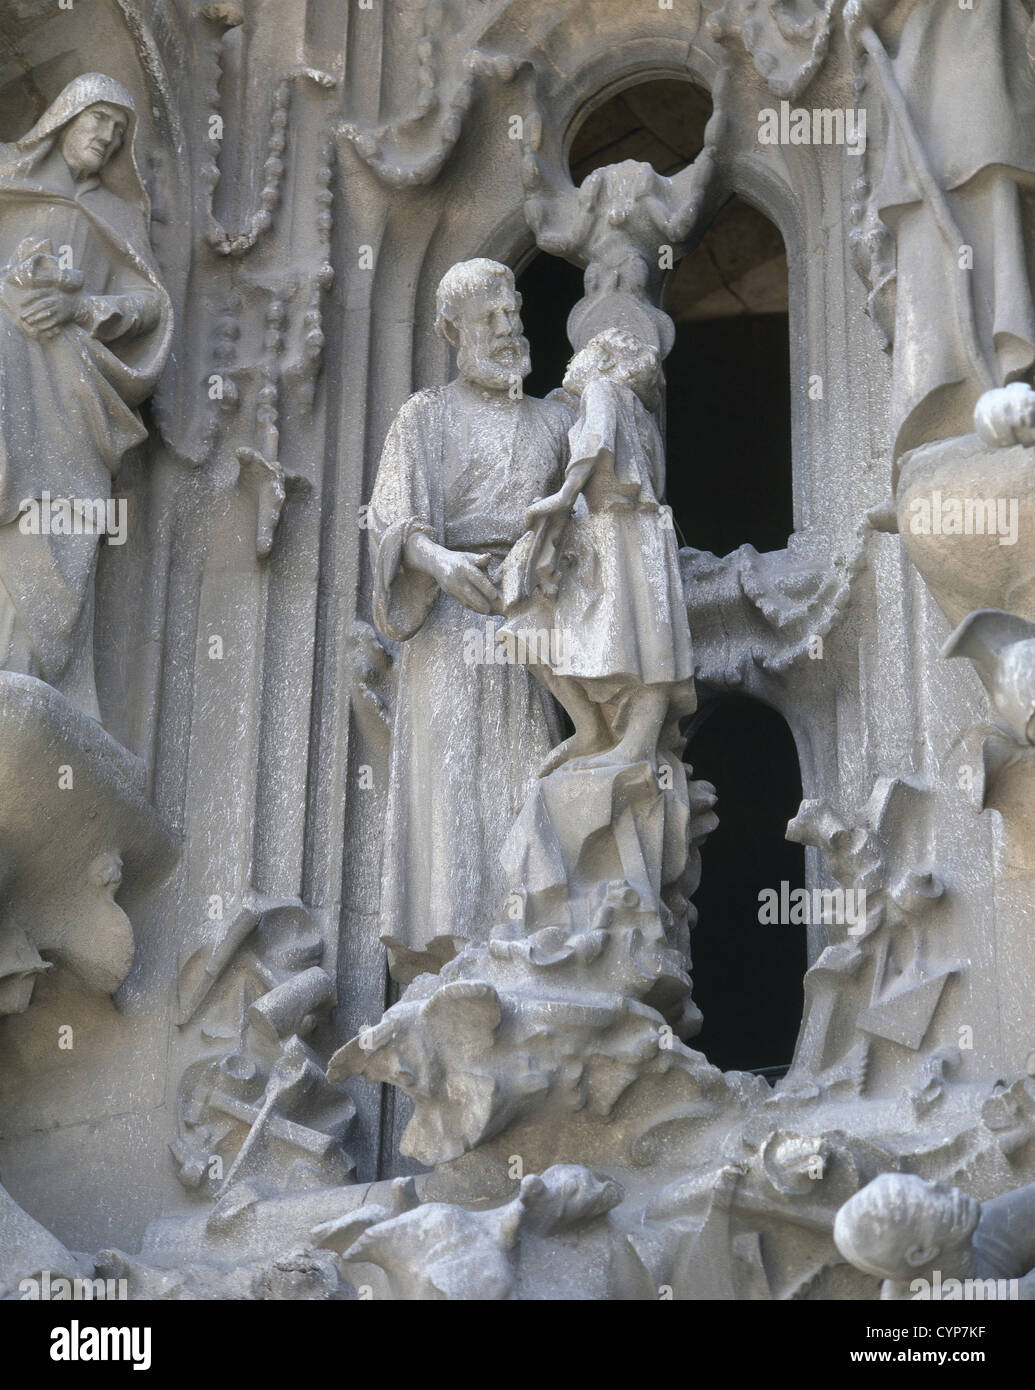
column 495, row 369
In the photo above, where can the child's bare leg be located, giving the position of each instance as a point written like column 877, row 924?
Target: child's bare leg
column 645, row 718
column 591, row 728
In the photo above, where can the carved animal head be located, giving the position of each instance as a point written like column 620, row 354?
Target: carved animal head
column 616, row 189
column 566, row 1195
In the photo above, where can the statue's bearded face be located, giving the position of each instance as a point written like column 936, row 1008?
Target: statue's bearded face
column 93, row 137
column 492, row 350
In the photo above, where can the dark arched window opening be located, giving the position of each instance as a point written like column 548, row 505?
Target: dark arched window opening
column 747, row 975
column 729, row 387
column 549, row 288
column 728, row 419
column 661, row 123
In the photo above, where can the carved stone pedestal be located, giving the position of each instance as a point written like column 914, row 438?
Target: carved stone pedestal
column 580, row 990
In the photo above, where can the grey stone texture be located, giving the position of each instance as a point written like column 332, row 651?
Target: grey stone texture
column 328, row 969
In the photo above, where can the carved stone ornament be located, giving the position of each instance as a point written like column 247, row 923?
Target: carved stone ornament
column 398, row 639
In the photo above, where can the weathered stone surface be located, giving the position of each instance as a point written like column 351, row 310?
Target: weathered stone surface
column 303, row 886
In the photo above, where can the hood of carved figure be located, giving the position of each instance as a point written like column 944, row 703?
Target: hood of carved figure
column 23, row 160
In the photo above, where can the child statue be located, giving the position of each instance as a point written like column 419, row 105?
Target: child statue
column 598, row 569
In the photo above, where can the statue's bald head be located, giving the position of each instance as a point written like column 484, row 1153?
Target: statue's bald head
column 899, row 1225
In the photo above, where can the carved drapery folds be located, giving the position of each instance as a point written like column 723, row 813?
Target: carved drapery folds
column 943, row 240
column 87, row 329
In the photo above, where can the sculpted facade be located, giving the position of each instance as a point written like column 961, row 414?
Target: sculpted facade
column 351, row 693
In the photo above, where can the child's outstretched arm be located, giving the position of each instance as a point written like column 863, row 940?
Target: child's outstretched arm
column 548, row 518
column 576, row 476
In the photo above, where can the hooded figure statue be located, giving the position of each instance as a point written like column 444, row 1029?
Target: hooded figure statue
column 85, row 329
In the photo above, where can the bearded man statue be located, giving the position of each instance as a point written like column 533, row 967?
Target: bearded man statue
column 460, row 467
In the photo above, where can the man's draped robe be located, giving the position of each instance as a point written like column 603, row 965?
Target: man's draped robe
column 968, row 82
column 467, row 734
column 68, row 400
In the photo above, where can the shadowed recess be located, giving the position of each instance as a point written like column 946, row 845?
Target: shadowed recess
column 747, row 976
column 727, row 414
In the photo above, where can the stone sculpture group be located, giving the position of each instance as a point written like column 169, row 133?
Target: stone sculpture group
column 184, row 726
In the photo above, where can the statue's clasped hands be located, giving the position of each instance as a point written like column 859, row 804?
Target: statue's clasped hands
column 461, row 574
column 45, row 310
column 47, row 294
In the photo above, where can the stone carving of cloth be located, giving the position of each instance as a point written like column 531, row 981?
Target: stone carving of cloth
column 969, row 86
column 468, row 733
column 68, row 401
